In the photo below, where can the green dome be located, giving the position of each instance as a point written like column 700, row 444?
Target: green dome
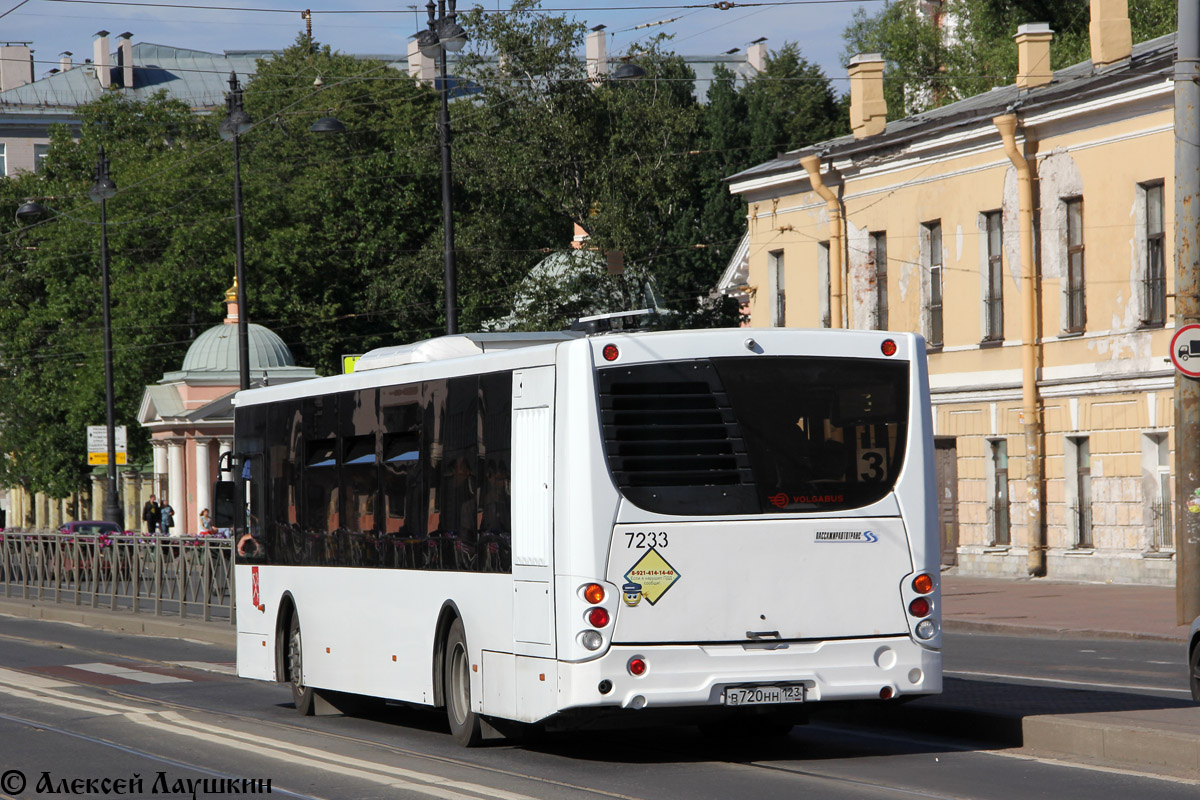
column 216, row 350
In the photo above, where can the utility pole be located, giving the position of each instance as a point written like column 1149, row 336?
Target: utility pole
column 1187, row 308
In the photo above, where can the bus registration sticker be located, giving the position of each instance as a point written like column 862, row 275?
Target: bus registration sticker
column 654, row 574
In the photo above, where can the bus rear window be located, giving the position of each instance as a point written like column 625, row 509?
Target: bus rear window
column 755, row 435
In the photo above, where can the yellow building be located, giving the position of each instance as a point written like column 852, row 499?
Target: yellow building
column 1054, row 312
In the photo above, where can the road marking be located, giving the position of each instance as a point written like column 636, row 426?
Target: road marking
column 430, row 784
column 127, row 673
column 1080, row 683
column 223, row 667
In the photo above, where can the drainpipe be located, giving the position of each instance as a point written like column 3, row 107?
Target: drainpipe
column 1031, row 417
column 812, row 164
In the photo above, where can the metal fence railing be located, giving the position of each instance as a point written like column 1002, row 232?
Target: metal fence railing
column 184, row 577
column 1161, row 532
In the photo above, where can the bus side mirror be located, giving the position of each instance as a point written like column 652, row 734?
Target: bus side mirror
column 224, row 504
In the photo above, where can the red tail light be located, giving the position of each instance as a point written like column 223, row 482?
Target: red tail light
column 919, row 607
column 888, row 347
column 611, row 352
column 597, row 617
column 637, row 667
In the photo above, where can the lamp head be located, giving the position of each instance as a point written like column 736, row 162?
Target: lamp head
column 328, row 125
column 628, row 71
column 30, row 210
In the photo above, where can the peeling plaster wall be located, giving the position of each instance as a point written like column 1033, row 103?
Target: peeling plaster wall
column 861, row 272
column 1058, row 180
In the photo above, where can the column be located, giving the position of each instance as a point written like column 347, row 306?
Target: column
column 130, row 497
column 203, row 483
column 54, row 517
column 160, row 468
column 176, row 483
column 39, row 512
column 224, row 446
column 99, row 484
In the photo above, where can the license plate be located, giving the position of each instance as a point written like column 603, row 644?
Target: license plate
column 763, row 695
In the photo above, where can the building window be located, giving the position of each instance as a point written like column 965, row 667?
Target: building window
column 3, row 162
column 40, row 151
column 1080, row 489
column 993, row 300
column 879, row 257
column 1154, row 294
column 1076, row 306
column 1156, row 492
column 778, row 288
column 823, row 282
column 933, row 232
column 1001, row 529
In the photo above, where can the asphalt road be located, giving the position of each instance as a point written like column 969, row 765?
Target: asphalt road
column 79, row 704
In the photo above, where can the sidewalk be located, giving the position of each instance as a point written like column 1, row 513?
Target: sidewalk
column 1038, row 607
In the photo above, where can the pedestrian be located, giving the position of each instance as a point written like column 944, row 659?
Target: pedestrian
column 206, row 526
column 166, row 517
column 150, row 515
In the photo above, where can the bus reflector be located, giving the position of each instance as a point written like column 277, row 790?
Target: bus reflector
column 888, row 347
column 611, row 352
column 637, row 667
column 919, row 607
column 885, row 693
column 922, row 584
column 598, row 617
column 593, row 593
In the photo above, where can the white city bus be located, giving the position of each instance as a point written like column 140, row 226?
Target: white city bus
column 561, row 529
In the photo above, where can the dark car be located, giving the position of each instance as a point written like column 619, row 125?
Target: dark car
column 91, row 527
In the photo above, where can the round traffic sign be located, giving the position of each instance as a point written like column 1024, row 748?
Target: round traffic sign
column 1185, row 350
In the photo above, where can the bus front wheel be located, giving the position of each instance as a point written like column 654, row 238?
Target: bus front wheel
column 302, row 695
column 456, row 688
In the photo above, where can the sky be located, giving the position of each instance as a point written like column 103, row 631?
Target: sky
column 53, row 26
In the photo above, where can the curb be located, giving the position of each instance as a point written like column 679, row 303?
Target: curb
column 123, row 621
column 1071, row 736
column 1050, row 632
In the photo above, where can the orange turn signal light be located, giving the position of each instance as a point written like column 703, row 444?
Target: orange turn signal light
column 593, row 593
column 922, row 584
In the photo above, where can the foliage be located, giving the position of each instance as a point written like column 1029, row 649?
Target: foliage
column 967, row 48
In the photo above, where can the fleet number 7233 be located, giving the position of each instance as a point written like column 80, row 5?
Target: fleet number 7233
column 643, row 539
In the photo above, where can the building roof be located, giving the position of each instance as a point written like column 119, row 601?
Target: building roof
column 195, row 77
column 1151, row 61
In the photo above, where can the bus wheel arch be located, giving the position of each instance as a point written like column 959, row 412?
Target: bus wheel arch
column 302, row 695
column 446, row 618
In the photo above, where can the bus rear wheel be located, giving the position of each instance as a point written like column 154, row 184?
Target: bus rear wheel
column 456, row 688
column 302, row 695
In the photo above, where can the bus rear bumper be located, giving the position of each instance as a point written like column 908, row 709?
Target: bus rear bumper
column 698, row 675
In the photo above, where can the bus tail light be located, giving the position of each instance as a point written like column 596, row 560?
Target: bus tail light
column 888, row 348
column 597, row 617
column 926, row 629
column 922, row 584
column 637, row 666
column 591, row 640
column 919, row 607
column 593, row 593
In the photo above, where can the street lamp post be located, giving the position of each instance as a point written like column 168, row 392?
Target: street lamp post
column 102, row 191
column 237, row 122
column 445, row 35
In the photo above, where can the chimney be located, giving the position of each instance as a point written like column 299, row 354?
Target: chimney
column 125, row 58
column 420, row 66
column 597, row 54
column 1111, row 38
column 1033, row 54
column 756, row 56
column 64, row 60
column 868, row 109
column 100, row 56
column 16, row 65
